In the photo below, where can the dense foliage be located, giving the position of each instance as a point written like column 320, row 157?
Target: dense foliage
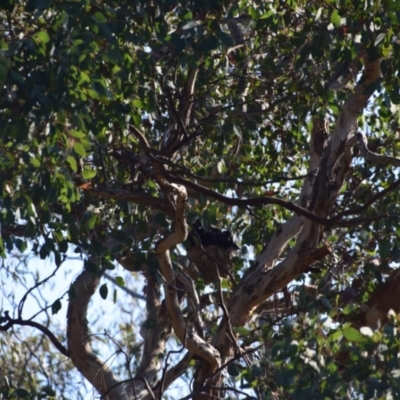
column 123, row 122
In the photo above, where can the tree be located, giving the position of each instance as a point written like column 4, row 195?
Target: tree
column 126, row 125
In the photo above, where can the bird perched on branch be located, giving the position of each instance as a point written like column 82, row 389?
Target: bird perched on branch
column 215, row 237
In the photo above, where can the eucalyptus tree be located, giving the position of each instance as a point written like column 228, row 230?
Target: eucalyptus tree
column 273, row 125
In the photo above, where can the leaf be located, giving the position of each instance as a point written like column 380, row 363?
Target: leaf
column 44, row 252
column 189, row 25
column 63, row 246
column 103, row 291
column 99, row 17
column 120, row 281
column 366, row 331
column 188, row 15
column 234, row 369
column 89, row 173
column 335, row 18
column 370, row 89
column 242, row 331
column 385, row 248
column 237, row 131
column 72, row 291
column 78, row 122
column 35, row 162
column 4, row 64
column 72, row 163
column 318, row 14
column 43, row 36
column 93, row 94
column 352, row 334
column 115, row 294
column 379, row 39
column 138, row 103
column 33, row 5
column 21, row 393
column 79, row 149
column 56, row 307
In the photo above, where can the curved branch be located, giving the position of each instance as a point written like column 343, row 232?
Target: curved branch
column 194, row 343
column 155, row 330
column 127, row 195
column 46, row 331
column 243, row 203
column 187, row 172
column 84, row 359
column 374, row 157
column 373, row 199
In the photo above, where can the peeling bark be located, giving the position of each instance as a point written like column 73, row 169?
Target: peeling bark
column 87, row 363
column 264, row 278
column 188, row 337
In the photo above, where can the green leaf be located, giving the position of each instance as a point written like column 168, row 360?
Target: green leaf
column 335, row 18
column 35, row 162
column 43, row 36
column 77, row 134
column 89, row 173
column 103, row 291
column 352, row 334
column 188, row 15
column 120, row 281
column 138, row 103
column 72, row 163
column 79, row 149
column 242, row 331
column 93, row 94
column 99, row 17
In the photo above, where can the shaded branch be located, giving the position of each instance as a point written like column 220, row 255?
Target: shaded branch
column 84, row 359
column 189, row 339
column 373, row 199
column 10, row 322
column 243, row 203
column 131, row 293
column 374, row 157
column 127, row 195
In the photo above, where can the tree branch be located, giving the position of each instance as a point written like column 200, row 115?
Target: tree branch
column 372, row 157
column 10, row 322
column 84, row 359
column 191, row 340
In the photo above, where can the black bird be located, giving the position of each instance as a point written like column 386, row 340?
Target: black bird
column 215, row 237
